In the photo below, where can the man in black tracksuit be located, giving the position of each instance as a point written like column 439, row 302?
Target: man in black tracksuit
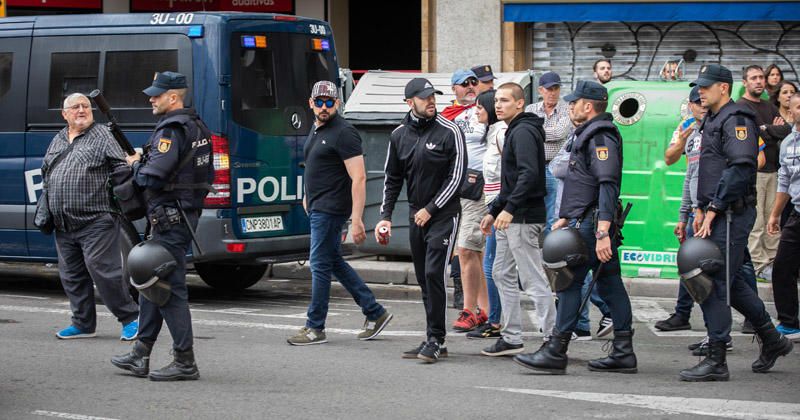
column 429, row 153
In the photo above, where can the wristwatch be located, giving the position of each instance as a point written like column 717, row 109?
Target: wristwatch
column 711, row 207
column 600, row 234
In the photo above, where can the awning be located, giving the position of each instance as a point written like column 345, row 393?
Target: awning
column 651, row 12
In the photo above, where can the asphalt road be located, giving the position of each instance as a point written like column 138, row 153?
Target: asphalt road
column 249, row 371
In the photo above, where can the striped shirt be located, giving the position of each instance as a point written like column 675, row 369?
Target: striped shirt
column 77, row 192
column 556, row 127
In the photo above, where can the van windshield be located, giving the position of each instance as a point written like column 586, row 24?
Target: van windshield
column 272, row 81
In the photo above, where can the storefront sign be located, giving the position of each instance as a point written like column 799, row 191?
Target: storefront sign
column 57, row 4
column 261, row 6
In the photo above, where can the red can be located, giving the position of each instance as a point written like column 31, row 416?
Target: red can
column 383, row 235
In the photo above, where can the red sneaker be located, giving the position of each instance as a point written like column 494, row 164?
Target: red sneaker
column 482, row 317
column 467, row 321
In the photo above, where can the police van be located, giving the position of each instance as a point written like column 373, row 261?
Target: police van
column 250, row 76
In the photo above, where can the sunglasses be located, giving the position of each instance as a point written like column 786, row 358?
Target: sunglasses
column 469, row 82
column 327, row 102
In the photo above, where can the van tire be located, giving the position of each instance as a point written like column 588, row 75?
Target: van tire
column 128, row 238
column 229, row 277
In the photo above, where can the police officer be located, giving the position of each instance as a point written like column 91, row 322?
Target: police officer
column 589, row 203
column 427, row 152
column 726, row 202
column 175, row 174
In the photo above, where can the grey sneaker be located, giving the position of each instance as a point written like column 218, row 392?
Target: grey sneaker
column 373, row 328
column 307, row 336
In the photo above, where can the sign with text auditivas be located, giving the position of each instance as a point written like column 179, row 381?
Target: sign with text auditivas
column 259, row 6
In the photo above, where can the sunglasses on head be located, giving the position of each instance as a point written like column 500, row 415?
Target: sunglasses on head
column 327, row 102
column 468, row 82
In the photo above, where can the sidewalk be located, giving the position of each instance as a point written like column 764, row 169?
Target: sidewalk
column 402, row 273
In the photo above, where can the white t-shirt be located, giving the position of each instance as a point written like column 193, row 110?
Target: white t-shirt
column 473, row 134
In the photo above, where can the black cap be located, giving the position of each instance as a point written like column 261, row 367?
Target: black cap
column 420, row 88
column 694, row 95
column 712, row 73
column 587, row 89
column 549, row 80
column 483, row 72
column 165, row 81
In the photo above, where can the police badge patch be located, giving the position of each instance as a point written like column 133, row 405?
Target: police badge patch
column 164, row 145
column 741, row 132
column 602, row 153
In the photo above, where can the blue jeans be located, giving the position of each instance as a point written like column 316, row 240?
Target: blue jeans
column 609, row 284
column 326, row 259
column 488, row 262
column 551, row 183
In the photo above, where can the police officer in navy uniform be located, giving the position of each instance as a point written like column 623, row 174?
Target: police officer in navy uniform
column 726, row 202
column 590, row 203
column 175, row 174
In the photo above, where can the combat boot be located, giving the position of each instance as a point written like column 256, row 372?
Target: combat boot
column 712, row 368
column 137, row 361
column 621, row 358
column 551, row 357
column 182, row 368
column 773, row 345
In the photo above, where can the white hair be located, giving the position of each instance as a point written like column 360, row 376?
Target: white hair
column 72, row 98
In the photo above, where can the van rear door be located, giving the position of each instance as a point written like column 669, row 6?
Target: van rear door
column 272, row 69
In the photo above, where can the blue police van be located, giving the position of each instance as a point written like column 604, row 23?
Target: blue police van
column 250, row 77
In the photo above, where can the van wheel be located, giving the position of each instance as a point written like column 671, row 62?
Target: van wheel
column 228, row 277
column 128, row 238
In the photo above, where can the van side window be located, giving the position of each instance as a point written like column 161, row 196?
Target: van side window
column 126, row 72
column 6, row 59
column 72, row 72
column 258, row 74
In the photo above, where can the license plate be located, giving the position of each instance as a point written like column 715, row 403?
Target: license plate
column 262, row 224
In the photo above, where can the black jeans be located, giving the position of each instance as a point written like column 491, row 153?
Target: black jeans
column 784, row 272
column 176, row 311
column 431, row 247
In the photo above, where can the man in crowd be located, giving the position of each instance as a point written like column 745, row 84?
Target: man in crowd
column 518, row 215
column 333, row 153
column 428, row 153
column 602, row 70
column 75, row 169
column 485, row 77
column 470, row 240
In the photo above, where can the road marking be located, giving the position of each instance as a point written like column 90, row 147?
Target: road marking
column 736, row 409
column 24, row 296
column 650, row 311
column 56, row 414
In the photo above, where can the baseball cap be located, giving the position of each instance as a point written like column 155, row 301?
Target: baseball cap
column 694, row 95
column 483, row 72
column 549, row 79
column 588, row 89
column 165, row 81
column 461, row 75
column 420, row 88
column 712, row 73
column 324, row 88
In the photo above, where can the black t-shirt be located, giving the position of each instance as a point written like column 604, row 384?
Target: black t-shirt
column 765, row 115
column 327, row 183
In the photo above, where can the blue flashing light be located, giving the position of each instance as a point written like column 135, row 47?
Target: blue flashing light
column 249, row 41
column 326, row 45
column 195, row 32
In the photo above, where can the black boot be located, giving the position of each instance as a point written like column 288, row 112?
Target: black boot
column 182, row 368
column 773, row 345
column 137, row 360
column 551, row 357
column 621, row 358
column 712, row 368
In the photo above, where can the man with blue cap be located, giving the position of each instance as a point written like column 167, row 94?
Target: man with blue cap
column 175, row 175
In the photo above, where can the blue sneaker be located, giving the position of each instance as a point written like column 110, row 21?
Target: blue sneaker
column 789, row 332
column 74, row 332
column 129, row 331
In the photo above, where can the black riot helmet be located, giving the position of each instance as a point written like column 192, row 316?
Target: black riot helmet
column 149, row 264
column 563, row 250
column 698, row 260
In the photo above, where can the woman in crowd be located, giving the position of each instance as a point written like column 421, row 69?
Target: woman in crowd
column 774, row 77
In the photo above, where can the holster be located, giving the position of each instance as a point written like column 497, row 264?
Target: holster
column 743, row 203
column 163, row 218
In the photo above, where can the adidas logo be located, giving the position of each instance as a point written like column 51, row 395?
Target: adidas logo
column 446, row 242
column 430, row 146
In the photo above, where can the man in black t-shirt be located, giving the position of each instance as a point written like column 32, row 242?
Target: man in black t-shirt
column 333, row 155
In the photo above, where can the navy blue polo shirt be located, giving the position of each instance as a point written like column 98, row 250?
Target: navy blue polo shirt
column 327, row 183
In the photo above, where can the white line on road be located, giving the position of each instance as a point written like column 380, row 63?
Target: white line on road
column 649, row 311
column 737, row 409
column 24, row 296
column 68, row 415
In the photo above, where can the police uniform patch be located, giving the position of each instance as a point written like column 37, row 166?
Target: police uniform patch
column 164, row 145
column 602, row 153
column 741, row 132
